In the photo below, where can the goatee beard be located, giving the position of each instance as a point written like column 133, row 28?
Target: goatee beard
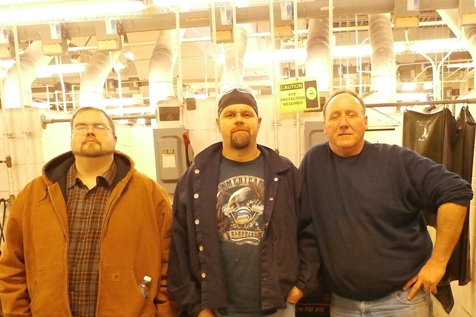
column 241, row 141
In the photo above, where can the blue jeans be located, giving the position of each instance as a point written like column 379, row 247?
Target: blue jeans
column 395, row 304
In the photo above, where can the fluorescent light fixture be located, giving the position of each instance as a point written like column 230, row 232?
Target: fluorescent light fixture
column 430, row 46
column 51, row 70
column 461, row 65
column 119, row 66
column 427, row 86
column 129, row 55
column 427, row 46
column 411, row 96
column 187, row 3
column 15, row 2
column 41, row 104
column 7, row 63
column 351, row 50
column 123, row 106
column 264, row 57
column 67, row 11
column 409, row 87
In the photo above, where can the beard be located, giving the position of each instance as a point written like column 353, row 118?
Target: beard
column 92, row 150
column 240, row 140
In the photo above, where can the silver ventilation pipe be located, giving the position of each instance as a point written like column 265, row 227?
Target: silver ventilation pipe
column 383, row 73
column 234, row 53
column 91, row 92
column 469, row 34
column 318, row 59
column 161, row 67
column 17, row 84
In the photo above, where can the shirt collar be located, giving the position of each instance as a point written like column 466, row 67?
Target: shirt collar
column 107, row 177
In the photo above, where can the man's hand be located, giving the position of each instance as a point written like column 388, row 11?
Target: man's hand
column 206, row 313
column 294, row 295
column 428, row 277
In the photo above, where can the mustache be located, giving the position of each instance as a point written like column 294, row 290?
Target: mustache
column 240, row 129
column 90, row 140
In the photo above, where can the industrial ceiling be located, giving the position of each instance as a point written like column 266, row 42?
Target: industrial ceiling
column 199, row 32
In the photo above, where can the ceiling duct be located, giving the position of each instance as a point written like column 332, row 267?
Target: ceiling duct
column 161, row 66
column 94, row 76
column 234, row 53
column 383, row 73
column 319, row 53
column 17, row 84
column 469, row 34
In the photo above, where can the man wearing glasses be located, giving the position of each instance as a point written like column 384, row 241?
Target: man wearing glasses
column 242, row 241
column 82, row 236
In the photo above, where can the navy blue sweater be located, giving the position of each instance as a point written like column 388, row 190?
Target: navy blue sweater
column 367, row 212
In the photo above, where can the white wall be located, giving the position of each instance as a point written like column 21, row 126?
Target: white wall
column 30, row 146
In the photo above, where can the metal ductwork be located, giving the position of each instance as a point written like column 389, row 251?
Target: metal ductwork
column 319, row 53
column 161, row 67
column 234, row 53
column 17, row 84
column 94, row 77
column 383, row 73
column 469, row 34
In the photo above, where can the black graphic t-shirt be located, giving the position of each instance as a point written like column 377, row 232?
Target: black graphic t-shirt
column 240, row 221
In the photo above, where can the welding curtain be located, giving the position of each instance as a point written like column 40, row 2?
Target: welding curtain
column 448, row 141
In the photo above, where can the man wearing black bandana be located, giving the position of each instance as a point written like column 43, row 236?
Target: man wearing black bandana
column 242, row 242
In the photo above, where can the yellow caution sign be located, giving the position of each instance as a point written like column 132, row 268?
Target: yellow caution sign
column 298, row 95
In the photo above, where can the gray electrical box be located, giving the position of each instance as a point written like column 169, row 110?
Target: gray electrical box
column 171, row 156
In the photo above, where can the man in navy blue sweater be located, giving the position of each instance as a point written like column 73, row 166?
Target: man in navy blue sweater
column 366, row 201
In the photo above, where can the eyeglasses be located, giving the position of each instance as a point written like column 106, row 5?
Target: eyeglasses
column 228, row 89
column 83, row 128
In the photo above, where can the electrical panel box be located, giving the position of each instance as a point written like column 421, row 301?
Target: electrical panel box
column 172, row 156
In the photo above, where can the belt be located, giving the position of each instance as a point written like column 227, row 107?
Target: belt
column 223, row 312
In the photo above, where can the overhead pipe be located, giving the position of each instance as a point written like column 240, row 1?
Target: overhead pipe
column 17, row 92
column 469, row 34
column 20, row 77
column 234, row 53
column 161, row 67
column 383, row 73
column 319, row 53
column 91, row 91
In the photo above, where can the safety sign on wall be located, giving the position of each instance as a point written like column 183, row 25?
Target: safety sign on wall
column 298, row 95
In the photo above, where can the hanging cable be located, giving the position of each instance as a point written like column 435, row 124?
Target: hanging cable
column 3, row 219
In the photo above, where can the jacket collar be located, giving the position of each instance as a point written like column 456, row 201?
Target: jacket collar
column 56, row 169
column 214, row 150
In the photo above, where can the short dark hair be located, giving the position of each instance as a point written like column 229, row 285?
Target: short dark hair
column 340, row 92
column 109, row 119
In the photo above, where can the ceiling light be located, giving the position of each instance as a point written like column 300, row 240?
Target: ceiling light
column 409, row 87
column 461, row 65
column 28, row 14
column 50, row 70
column 129, row 55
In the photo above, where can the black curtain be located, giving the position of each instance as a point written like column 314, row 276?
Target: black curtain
column 448, row 141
